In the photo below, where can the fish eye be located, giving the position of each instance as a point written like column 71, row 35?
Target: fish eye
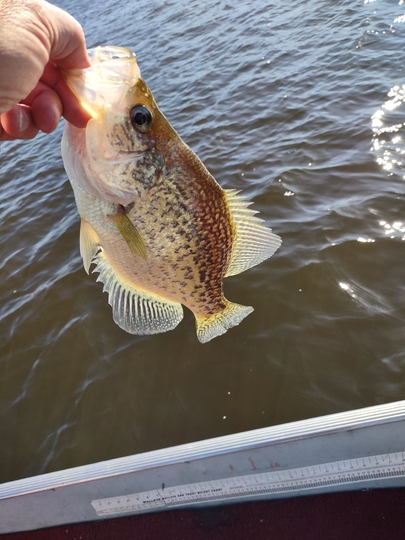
column 141, row 118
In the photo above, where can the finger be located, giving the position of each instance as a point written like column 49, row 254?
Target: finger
column 4, row 136
column 45, row 106
column 46, row 110
column 72, row 109
column 17, row 123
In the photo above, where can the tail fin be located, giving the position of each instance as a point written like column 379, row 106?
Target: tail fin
column 218, row 324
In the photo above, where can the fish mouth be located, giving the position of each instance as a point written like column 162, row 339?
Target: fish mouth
column 112, row 72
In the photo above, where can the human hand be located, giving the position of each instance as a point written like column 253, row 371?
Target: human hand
column 35, row 39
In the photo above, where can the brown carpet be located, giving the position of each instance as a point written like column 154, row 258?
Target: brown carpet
column 369, row 515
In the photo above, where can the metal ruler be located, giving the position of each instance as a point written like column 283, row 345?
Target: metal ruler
column 259, row 484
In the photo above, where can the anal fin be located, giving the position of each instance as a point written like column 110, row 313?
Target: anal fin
column 89, row 243
column 136, row 311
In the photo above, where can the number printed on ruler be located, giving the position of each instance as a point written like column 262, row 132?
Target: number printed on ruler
column 290, row 480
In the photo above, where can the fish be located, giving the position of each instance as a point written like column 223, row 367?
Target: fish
column 159, row 229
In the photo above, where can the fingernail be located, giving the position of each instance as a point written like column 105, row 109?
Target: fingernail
column 23, row 118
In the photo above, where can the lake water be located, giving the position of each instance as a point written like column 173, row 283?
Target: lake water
column 301, row 105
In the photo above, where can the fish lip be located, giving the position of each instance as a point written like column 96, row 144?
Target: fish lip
column 113, row 70
column 110, row 53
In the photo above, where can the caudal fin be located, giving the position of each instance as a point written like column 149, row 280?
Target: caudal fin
column 218, row 324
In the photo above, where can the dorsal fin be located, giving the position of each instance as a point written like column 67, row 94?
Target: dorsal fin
column 136, row 311
column 88, row 243
column 254, row 242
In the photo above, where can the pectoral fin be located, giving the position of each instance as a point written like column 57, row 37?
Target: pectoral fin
column 129, row 232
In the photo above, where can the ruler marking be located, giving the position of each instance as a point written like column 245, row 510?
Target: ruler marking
column 301, row 478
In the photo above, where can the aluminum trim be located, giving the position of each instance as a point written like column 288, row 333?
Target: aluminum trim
column 292, row 431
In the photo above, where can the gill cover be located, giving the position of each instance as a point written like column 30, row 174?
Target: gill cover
column 109, row 144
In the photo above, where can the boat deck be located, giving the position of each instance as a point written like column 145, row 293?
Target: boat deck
column 375, row 514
